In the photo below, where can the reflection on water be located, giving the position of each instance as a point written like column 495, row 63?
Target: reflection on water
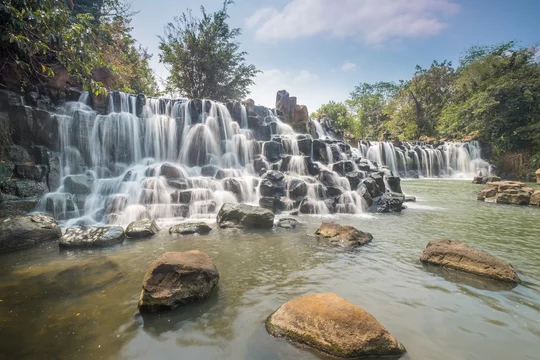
column 82, row 304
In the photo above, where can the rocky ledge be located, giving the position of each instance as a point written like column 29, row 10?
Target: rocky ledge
column 510, row 192
column 331, row 324
column 456, row 255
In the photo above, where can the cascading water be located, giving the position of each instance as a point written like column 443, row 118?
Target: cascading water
column 158, row 158
column 414, row 160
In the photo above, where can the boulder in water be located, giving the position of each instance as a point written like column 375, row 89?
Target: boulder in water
column 535, row 198
column 514, row 198
column 245, row 216
column 142, row 229
column 190, row 228
column 346, row 236
column 456, row 255
column 92, row 236
column 388, row 203
column 288, row 223
column 329, row 323
column 17, row 232
column 176, row 279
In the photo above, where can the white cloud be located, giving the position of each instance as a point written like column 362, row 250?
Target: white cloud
column 348, row 66
column 373, row 21
column 308, row 87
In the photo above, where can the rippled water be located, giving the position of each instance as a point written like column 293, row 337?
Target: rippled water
column 49, row 314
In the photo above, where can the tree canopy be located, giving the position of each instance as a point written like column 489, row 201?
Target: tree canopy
column 204, row 59
column 493, row 95
column 37, row 36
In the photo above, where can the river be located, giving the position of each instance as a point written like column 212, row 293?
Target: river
column 51, row 310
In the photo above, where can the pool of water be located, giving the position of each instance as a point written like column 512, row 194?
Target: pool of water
column 53, row 308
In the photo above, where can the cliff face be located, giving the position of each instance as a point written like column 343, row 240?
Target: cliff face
column 29, row 142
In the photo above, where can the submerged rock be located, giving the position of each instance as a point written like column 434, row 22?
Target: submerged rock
column 176, row 279
column 92, row 236
column 456, row 255
column 190, row 228
column 245, row 216
column 288, row 223
column 331, row 324
column 21, row 231
column 142, row 229
column 346, row 236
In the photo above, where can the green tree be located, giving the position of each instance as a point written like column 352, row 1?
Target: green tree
column 204, row 59
column 340, row 117
column 497, row 97
column 369, row 102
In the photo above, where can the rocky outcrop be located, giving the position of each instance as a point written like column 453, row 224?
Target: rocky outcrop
column 190, row 228
column 456, row 255
column 176, row 279
column 295, row 115
column 22, row 231
column 508, row 192
column 344, row 236
column 142, row 229
column 245, row 216
column 329, row 323
column 92, row 236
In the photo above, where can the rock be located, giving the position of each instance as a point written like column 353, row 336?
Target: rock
column 340, row 235
column 92, row 236
column 272, row 184
column 23, row 231
column 272, row 150
column 22, row 188
column 388, row 203
column 142, row 229
column 487, row 193
column 478, row 180
column 329, row 323
column 343, row 167
column 394, row 184
column 288, row 223
column 245, row 216
column 209, row 170
column 190, row 228
column 270, row 203
column 518, row 198
column 181, row 184
column 410, row 198
column 538, row 176
column 170, row 171
column 535, row 198
column 78, row 184
column 176, row 279
column 297, row 188
column 371, row 186
column 492, row 178
column 29, row 172
column 6, row 170
column 456, row 255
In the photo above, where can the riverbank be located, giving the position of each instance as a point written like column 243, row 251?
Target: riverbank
column 434, row 313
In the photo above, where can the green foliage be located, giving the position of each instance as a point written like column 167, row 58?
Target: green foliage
column 39, row 36
column 493, row 95
column 203, row 58
column 340, row 117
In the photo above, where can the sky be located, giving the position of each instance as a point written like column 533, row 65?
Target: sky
column 319, row 50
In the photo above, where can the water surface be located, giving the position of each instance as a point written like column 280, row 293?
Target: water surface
column 48, row 312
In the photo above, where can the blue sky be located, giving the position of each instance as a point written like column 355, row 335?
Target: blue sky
column 318, row 50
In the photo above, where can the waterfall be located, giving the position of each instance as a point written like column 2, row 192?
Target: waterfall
column 418, row 160
column 160, row 158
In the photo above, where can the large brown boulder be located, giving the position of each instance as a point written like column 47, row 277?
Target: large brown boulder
column 176, row 279
column 535, row 198
column 332, row 325
column 339, row 235
column 17, row 232
column 514, row 197
column 456, row 255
